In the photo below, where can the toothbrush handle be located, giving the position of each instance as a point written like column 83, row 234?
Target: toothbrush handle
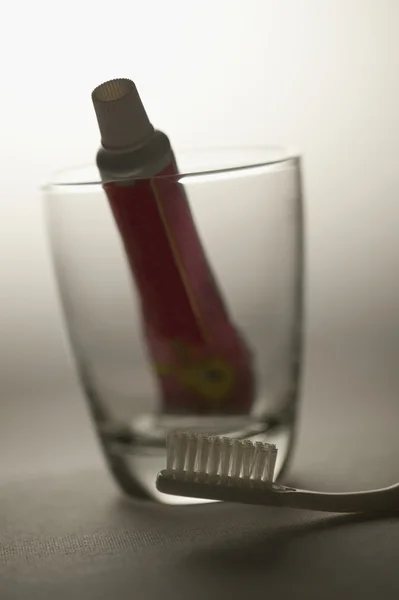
column 380, row 500
column 273, row 494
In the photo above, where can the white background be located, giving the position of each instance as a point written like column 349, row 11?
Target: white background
column 322, row 75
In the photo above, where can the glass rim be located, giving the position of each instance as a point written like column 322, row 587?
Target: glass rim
column 234, row 160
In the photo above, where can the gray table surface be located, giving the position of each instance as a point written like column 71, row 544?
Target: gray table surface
column 67, row 532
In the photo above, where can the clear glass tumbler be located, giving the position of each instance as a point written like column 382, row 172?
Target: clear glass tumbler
column 247, row 208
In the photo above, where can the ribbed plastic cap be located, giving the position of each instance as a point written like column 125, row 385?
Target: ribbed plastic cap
column 121, row 116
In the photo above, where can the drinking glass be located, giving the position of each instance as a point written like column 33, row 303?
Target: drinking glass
column 247, row 207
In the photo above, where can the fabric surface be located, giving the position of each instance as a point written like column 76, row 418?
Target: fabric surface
column 71, row 534
column 77, row 538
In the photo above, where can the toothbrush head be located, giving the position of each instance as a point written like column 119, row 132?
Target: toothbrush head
column 213, row 467
column 222, row 468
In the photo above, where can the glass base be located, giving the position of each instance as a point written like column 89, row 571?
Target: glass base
column 136, row 453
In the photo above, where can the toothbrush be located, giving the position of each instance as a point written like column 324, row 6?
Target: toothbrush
column 222, row 468
column 200, row 360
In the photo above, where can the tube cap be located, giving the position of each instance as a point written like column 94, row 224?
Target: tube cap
column 121, row 116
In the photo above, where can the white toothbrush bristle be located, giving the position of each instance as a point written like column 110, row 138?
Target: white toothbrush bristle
column 214, row 456
column 200, row 456
column 258, row 462
column 191, row 454
column 248, row 452
column 203, row 453
column 225, row 456
column 171, row 451
column 181, row 445
column 237, row 459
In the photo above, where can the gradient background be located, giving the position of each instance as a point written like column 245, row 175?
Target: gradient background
column 321, row 75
